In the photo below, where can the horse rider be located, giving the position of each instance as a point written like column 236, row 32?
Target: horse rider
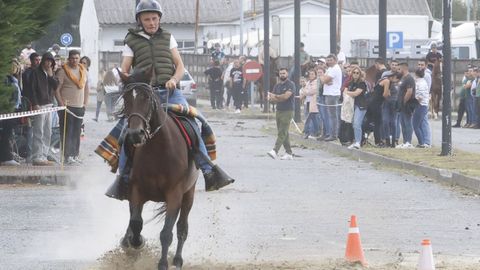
column 150, row 46
column 433, row 56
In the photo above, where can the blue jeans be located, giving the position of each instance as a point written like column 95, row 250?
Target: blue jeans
column 174, row 97
column 312, row 124
column 358, row 116
column 323, row 115
column 398, row 127
column 421, row 125
column 470, row 108
column 407, row 126
column 333, row 115
column 390, row 120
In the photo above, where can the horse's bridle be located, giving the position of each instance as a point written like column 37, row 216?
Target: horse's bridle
column 151, row 109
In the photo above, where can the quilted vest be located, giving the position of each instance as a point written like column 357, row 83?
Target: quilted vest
column 154, row 52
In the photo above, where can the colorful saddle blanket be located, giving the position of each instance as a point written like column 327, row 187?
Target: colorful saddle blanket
column 109, row 148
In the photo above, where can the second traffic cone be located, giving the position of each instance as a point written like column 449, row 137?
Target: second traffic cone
column 354, row 251
column 426, row 257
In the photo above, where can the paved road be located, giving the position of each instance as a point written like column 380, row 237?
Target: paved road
column 290, row 214
column 465, row 139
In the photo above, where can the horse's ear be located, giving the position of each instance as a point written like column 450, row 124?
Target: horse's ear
column 122, row 75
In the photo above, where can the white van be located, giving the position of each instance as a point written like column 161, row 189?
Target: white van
column 464, row 42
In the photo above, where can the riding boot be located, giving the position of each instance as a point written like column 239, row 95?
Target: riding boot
column 394, row 143
column 216, row 179
column 388, row 142
column 118, row 190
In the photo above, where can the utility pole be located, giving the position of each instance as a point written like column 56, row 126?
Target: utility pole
column 266, row 54
column 475, row 6
column 447, row 80
column 469, row 5
column 197, row 7
column 333, row 27
column 339, row 22
column 241, row 27
column 296, row 76
column 382, row 29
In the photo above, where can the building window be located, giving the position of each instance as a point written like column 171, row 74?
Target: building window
column 188, row 44
column 118, row 42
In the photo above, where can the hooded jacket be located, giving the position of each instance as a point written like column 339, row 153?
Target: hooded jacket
column 42, row 85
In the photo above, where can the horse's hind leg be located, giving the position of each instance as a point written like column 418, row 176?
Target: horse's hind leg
column 166, row 235
column 182, row 226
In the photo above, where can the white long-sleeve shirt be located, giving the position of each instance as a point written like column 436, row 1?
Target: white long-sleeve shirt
column 422, row 91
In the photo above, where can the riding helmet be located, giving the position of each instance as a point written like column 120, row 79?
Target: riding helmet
column 148, row 6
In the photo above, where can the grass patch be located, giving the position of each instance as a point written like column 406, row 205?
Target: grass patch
column 463, row 162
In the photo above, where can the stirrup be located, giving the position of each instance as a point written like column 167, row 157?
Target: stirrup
column 217, row 179
column 118, row 190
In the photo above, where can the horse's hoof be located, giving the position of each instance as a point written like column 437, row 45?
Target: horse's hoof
column 178, row 262
column 126, row 243
column 140, row 245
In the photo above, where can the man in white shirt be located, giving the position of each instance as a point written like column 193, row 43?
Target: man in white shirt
column 332, row 81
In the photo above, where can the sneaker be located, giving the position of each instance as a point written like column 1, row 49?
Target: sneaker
column 354, row 146
column 330, row 139
column 407, row 145
column 10, row 163
column 426, row 146
column 42, row 162
column 71, row 161
column 400, row 146
column 272, row 154
column 322, row 138
column 78, row 160
column 287, row 156
column 238, row 111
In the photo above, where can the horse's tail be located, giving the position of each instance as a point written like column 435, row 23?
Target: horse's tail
column 160, row 213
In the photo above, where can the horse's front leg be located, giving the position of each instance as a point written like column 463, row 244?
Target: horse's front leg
column 166, row 235
column 132, row 237
column 182, row 226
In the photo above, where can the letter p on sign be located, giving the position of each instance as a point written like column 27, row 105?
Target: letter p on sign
column 394, row 40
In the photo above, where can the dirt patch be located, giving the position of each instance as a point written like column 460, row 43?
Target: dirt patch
column 147, row 259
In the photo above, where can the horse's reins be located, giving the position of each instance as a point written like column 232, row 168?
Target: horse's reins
column 146, row 120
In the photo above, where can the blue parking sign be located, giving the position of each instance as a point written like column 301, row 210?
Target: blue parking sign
column 66, row 39
column 394, row 40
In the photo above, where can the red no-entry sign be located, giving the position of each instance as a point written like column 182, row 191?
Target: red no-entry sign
column 252, row 71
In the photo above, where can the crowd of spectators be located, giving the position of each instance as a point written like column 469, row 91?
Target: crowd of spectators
column 41, row 82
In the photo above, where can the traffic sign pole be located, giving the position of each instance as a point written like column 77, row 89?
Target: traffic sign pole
column 66, row 39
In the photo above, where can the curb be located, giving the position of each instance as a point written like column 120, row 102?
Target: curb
column 441, row 175
column 36, row 175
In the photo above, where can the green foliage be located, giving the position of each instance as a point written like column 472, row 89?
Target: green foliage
column 22, row 21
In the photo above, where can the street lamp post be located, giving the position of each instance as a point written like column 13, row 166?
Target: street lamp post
column 447, row 80
column 296, row 75
column 382, row 29
column 266, row 54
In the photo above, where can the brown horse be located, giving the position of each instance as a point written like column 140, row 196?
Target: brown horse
column 162, row 169
column 437, row 88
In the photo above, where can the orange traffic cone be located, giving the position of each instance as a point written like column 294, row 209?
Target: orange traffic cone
column 354, row 252
column 426, row 257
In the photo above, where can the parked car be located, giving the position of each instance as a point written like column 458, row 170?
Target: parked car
column 189, row 88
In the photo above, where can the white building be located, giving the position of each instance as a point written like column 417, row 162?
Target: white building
column 104, row 23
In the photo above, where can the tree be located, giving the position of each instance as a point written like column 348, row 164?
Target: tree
column 22, row 21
